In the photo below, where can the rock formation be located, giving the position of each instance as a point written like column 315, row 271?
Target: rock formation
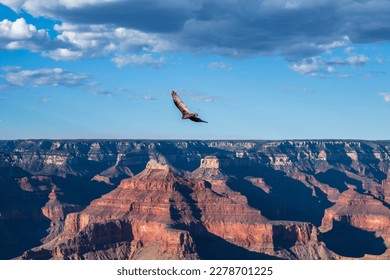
column 354, row 210
column 138, row 218
column 115, row 173
column 386, row 188
column 161, row 215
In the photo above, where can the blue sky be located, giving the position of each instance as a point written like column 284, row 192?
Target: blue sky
column 263, row 69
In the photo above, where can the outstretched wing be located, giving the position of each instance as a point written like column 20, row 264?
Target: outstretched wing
column 196, row 119
column 179, row 104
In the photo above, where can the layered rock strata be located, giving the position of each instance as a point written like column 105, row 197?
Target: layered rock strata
column 160, row 214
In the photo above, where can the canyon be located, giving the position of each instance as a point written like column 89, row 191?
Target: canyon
column 187, row 199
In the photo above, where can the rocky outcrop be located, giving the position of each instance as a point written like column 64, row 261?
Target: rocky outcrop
column 56, row 210
column 364, row 218
column 209, row 170
column 386, row 188
column 115, row 173
column 359, row 210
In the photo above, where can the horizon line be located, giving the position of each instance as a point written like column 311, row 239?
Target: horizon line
column 188, row 139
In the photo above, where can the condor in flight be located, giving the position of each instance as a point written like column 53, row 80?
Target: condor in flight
column 184, row 110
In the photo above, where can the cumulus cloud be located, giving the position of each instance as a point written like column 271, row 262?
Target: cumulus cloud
column 20, row 35
column 295, row 29
column 16, row 30
column 131, row 39
column 144, row 60
column 386, row 96
column 75, row 42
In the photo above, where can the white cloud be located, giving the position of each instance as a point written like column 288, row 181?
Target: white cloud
column 130, row 39
column 16, row 30
column 77, row 3
column 319, row 67
column 148, row 98
column 94, row 88
column 306, row 66
column 386, row 96
column 357, row 60
column 219, row 65
column 354, row 60
column 16, row 76
column 13, row 4
column 119, row 28
column 335, row 44
column 330, row 69
column 108, row 36
column 144, row 60
column 349, row 49
column 20, row 35
column 137, row 96
column 63, row 54
column 44, row 77
column 11, row 68
column 76, row 42
column 38, row 6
